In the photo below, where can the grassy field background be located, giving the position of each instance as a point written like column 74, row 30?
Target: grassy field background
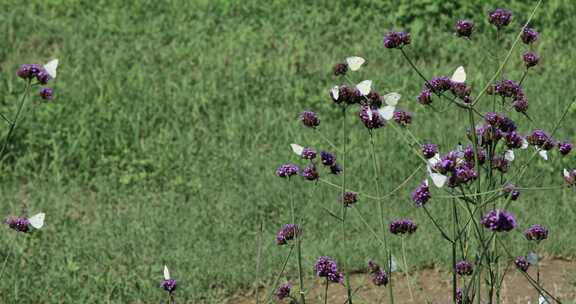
column 170, row 118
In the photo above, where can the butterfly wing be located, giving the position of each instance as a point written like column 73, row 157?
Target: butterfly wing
column 543, row 154
column 392, row 99
column 51, row 67
column 459, row 75
column 509, row 155
column 354, row 62
column 393, row 264
column 298, row 149
column 37, row 221
column 166, row 273
column 364, row 87
column 566, row 173
column 335, row 92
column 387, row 112
column 438, row 179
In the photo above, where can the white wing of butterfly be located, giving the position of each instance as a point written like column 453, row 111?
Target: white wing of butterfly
column 566, row 173
column 393, row 264
column 391, row 101
column 509, row 155
column 542, row 300
column 166, row 273
column 51, row 67
column 335, row 92
column 459, row 75
column 437, row 179
column 532, row 258
column 297, row 149
column 543, row 154
column 37, row 221
column 364, row 87
column 354, row 62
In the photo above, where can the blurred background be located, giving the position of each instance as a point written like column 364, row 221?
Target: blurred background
column 170, row 118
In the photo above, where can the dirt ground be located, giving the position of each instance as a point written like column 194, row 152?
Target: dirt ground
column 433, row 286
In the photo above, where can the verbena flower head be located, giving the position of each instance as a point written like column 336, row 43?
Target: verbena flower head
column 425, row 97
column 507, row 88
column 464, row 28
column 310, row 119
column 25, row 71
column 20, row 224
column 500, row 163
column 529, row 35
column 349, row 198
column 402, row 226
column 340, row 69
column 325, row 267
column 538, row 138
column 43, row 77
column 349, row 95
column 507, row 124
column 287, row 233
column 570, row 177
column 440, row 84
column 464, row 268
column 46, row 93
column 370, row 117
column 469, row 155
column 283, row 291
column 522, row 263
column 513, row 140
column 530, row 59
column 169, row 285
column 335, row 169
column 374, row 99
column 564, row 147
column 512, row 191
column 308, row 153
column 429, row 150
column 402, row 117
column 287, row 170
column 310, row 173
column 500, row 17
column 327, row 158
column 393, row 40
column 498, row 220
column 461, row 90
column 520, row 104
column 421, row 195
column 378, row 276
column 536, row 232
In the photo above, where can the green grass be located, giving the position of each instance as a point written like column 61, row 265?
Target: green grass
column 170, row 119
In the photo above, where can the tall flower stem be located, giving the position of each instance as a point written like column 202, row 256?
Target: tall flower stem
column 15, row 121
column 408, row 279
column 381, row 214
column 298, row 245
column 326, row 291
column 343, row 211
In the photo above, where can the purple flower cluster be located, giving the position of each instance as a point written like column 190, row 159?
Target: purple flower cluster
column 309, row 119
column 500, row 17
column 20, row 224
column 310, row 173
column 340, row 69
column 529, row 35
column 349, row 198
column 374, row 99
column 429, row 150
column 440, row 84
column 347, row 95
column 570, row 177
column 469, row 155
column 421, row 195
column 522, row 263
column 498, row 220
column 31, row 71
column 496, row 127
column 378, row 276
column 326, row 267
column 283, row 291
column 425, row 97
column 287, row 233
column 464, row 28
column 169, row 285
column 459, row 171
column 393, row 40
column 530, row 59
column 509, row 88
column 536, row 232
column 403, row 226
column 541, row 139
column 329, row 160
column 464, row 268
column 287, row 170
column 564, row 147
column 308, row 153
column 370, row 117
column 402, row 117
column 512, row 191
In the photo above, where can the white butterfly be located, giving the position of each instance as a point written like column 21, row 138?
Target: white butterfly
column 51, row 67
column 532, row 258
column 354, row 63
column 393, row 265
column 459, row 75
column 37, row 221
column 298, row 149
column 524, row 143
column 509, row 155
column 438, row 179
column 426, row 182
column 566, row 173
column 364, row 87
column 391, row 101
column 542, row 300
column 335, row 92
column 166, row 273
column 543, row 154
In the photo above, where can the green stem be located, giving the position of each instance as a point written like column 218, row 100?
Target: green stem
column 344, row 143
column 15, row 121
column 298, row 246
column 326, row 291
column 408, row 280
